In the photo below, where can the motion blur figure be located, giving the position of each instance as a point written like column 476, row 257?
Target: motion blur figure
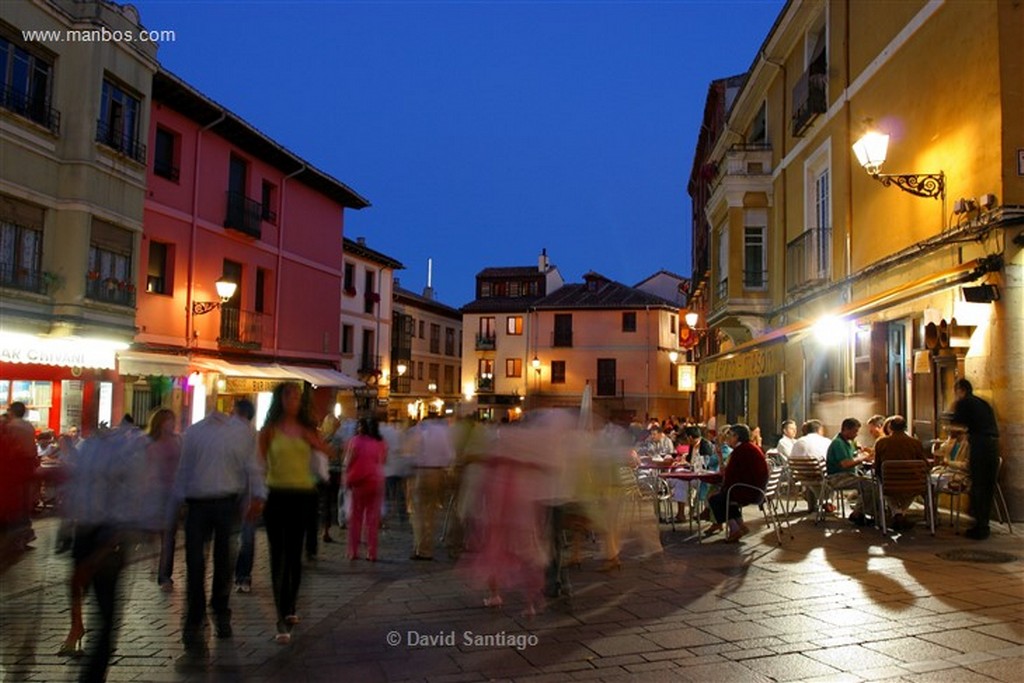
column 104, row 498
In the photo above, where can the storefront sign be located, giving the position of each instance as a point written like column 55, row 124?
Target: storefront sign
column 245, row 385
column 754, row 363
column 86, row 353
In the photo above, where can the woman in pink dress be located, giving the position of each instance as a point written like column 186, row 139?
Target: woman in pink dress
column 365, row 454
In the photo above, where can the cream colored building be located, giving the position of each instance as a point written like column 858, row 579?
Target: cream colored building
column 426, row 356
column 836, row 289
column 74, row 115
column 367, row 295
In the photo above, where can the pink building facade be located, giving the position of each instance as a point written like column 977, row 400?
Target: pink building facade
column 225, row 201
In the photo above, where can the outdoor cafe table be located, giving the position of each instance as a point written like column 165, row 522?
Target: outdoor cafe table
column 704, row 476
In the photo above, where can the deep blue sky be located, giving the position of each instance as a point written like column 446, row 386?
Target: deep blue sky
column 482, row 132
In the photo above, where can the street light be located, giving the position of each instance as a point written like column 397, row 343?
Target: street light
column 871, row 150
column 401, row 368
column 225, row 290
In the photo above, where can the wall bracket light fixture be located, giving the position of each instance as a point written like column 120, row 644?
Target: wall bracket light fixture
column 871, row 150
column 225, row 290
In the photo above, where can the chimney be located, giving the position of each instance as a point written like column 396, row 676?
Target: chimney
column 542, row 261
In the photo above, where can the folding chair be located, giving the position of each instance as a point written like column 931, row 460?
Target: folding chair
column 810, row 473
column 909, row 479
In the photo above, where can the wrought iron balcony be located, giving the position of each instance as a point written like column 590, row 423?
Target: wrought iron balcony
column 240, row 329
column 809, row 258
column 809, row 99
column 165, row 169
column 485, row 384
column 25, row 279
column 755, row 279
column 121, row 141
column 401, row 384
column 485, row 342
column 110, row 291
column 32, row 108
column 369, row 365
column 243, row 214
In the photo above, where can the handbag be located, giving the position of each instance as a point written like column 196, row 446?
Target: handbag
column 319, row 466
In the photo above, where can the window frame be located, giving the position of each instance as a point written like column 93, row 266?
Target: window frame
column 558, row 372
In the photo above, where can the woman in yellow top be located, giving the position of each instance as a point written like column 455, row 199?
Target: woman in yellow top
column 287, row 441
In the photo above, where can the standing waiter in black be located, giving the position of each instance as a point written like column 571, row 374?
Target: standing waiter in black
column 977, row 417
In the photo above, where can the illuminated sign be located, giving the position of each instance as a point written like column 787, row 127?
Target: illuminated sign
column 66, row 352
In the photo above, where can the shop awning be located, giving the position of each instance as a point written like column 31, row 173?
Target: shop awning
column 61, row 351
column 246, row 370
column 760, row 357
column 143, row 363
column 322, row 377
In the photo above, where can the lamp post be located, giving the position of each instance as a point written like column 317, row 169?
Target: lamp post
column 871, row 149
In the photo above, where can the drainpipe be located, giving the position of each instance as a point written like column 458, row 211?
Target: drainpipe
column 194, row 229
column 280, row 258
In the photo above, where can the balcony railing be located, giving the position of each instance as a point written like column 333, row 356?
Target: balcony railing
column 369, row 365
column 809, row 258
column 25, row 279
column 33, row 109
column 110, row 291
column 485, row 384
column 240, row 329
column 243, row 214
column 809, row 100
column 755, row 279
column 608, row 387
column 121, row 141
column 485, row 342
column 561, row 338
column 401, row 384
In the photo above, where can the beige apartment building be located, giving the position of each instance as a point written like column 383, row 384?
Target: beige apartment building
column 73, row 122
column 839, row 286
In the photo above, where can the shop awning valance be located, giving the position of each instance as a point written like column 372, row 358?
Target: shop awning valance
column 144, row 363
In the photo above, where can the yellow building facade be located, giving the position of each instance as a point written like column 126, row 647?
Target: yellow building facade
column 839, row 290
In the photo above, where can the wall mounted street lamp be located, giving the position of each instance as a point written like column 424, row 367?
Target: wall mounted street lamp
column 871, row 150
column 673, row 356
column 401, row 368
column 225, row 290
column 535, row 363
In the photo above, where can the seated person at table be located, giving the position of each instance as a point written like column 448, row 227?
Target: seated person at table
column 657, row 448
column 841, row 463
column 788, row 440
column 701, row 452
column 813, row 444
column 898, row 445
column 746, row 465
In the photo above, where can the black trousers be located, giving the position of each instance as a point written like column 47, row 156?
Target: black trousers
column 287, row 515
column 217, row 519
column 984, row 468
column 101, row 549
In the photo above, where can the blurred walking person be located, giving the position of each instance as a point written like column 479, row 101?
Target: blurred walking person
column 287, row 441
column 163, row 455
column 219, row 469
column 435, row 453
column 364, row 478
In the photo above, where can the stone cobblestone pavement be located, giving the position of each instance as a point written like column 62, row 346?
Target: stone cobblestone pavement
column 834, row 603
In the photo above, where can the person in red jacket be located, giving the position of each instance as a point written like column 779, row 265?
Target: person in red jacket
column 746, row 465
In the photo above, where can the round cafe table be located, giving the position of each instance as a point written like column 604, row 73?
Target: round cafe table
column 705, row 476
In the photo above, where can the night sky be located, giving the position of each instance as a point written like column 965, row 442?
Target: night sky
column 482, row 132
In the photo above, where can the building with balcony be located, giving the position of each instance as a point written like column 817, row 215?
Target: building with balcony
column 832, row 290
column 73, row 123
column 367, row 296
column 426, row 356
column 496, row 337
column 227, row 202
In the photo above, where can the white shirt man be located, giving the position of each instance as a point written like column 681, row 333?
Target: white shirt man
column 788, row 440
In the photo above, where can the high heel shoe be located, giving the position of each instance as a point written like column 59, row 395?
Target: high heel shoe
column 72, row 646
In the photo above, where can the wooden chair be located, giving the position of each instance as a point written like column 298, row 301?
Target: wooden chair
column 909, row 479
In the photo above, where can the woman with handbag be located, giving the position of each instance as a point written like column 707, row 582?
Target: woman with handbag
column 289, row 446
column 364, row 478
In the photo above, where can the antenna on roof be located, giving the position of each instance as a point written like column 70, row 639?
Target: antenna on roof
column 428, row 291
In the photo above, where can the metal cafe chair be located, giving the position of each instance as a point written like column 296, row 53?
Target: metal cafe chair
column 907, row 479
column 766, row 501
column 956, row 488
